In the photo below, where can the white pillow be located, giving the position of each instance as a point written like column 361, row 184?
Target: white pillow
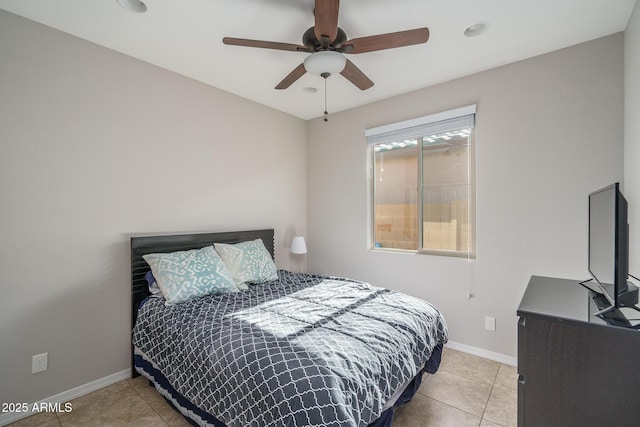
column 248, row 262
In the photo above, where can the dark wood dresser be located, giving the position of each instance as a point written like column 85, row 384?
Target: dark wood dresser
column 574, row 369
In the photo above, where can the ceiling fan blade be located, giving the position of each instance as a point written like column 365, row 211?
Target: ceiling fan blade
column 292, row 77
column 355, row 76
column 386, row 41
column 265, row 45
column 326, row 20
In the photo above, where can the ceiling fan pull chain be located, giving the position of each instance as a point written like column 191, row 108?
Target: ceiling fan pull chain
column 325, row 75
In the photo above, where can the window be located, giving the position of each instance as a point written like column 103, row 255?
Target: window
column 422, row 186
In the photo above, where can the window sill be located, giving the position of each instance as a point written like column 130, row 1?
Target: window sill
column 451, row 254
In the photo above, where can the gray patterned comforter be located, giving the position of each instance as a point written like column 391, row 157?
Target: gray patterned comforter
column 299, row 351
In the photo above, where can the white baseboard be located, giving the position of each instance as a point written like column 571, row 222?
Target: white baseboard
column 68, row 395
column 476, row 351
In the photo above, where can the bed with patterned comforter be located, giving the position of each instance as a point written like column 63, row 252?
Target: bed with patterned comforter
column 303, row 350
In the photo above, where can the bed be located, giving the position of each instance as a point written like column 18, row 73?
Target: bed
column 295, row 350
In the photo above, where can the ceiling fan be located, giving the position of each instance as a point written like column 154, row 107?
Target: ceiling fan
column 327, row 43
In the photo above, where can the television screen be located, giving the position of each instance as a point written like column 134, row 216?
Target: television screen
column 608, row 246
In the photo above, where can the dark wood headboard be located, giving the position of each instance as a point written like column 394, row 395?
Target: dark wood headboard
column 179, row 242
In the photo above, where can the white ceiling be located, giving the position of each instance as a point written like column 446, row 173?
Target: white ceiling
column 185, row 36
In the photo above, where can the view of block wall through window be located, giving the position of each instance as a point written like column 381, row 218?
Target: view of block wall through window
column 445, row 222
column 396, row 197
column 446, row 197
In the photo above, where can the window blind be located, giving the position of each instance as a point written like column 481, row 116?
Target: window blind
column 446, row 121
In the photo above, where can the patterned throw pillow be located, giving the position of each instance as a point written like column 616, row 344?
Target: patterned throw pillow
column 185, row 275
column 248, row 262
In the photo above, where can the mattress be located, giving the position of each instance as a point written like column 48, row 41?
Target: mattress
column 300, row 350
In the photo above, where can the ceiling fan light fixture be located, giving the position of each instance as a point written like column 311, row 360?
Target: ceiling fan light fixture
column 325, row 61
column 133, row 5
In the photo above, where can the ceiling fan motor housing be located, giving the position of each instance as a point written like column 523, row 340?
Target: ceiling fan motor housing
column 310, row 40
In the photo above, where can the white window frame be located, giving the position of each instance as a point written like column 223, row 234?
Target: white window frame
column 416, row 128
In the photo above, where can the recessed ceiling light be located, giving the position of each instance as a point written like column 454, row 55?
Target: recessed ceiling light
column 476, row 29
column 133, row 5
column 310, row 89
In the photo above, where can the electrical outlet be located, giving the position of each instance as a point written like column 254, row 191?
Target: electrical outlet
column 39, row 363
column 490, row 323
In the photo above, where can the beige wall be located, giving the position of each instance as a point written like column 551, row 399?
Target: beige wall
column 548, row 131
column 96, row 146
column 631, row 186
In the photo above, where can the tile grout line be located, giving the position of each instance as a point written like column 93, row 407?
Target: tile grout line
column 481, row 417
column 477, row 381
column 149, row 403
column 487, row 404
column 493, row 383
column 453, row 407
column 469, row 379
column 493, row 386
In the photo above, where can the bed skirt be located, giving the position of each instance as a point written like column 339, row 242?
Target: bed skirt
column 198, row 417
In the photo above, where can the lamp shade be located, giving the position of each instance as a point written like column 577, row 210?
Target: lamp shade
column 298, row 246
column 324, row 61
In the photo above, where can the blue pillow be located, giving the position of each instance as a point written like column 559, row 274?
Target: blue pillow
column 248, row 262
column 185, row 275
column 151, row 282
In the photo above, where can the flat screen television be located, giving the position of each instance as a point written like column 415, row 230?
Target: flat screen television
column 609, row 246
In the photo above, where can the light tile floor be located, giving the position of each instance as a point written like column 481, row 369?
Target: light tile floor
column 466, row 391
